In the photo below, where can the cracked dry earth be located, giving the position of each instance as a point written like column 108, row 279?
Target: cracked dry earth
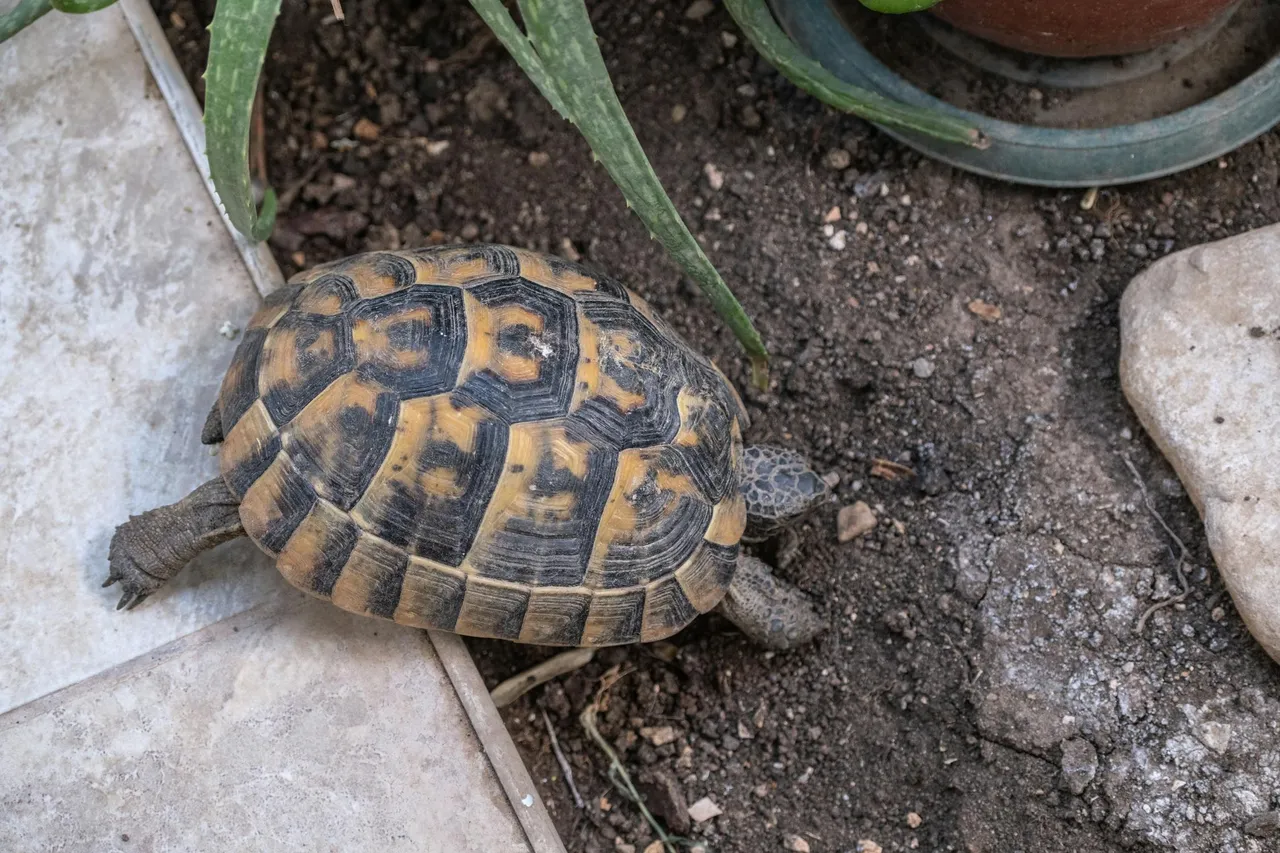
column 982, row 686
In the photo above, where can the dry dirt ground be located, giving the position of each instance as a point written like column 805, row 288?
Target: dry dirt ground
column 982, row 686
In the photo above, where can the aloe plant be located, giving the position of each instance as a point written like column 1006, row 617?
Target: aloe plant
column 561, row 56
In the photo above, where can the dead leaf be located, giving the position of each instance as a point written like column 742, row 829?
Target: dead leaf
column 985, row 310
column 886, row 470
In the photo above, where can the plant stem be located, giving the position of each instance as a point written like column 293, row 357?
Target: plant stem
column 27, row 12
column 238, row 39
column 755, row 19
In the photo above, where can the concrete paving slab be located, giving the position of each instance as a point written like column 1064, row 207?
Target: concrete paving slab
column 307, row 729
column 116, row 273
column 230, row 712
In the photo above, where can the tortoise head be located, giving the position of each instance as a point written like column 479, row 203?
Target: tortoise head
column 780, row 489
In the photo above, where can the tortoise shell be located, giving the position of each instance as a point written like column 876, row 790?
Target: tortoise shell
column 487, row 441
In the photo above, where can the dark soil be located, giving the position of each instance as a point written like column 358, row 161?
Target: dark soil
column 1014, row 427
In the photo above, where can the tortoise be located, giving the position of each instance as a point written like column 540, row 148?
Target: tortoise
column 493, row 442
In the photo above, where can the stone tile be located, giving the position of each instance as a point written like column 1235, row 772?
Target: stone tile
column 115, row 277
column 308, row 729
column 1200, row 364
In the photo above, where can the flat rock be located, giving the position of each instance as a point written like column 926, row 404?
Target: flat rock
column 110, row 356
column 1200, row 364
column 298, row 727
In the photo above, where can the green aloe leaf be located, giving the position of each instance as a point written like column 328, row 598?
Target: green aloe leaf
column 238, row 40
column 898, row 7
column 755, row 19
column 80, row 7
column 26, row 13
column 572, row 74
column 495, row 14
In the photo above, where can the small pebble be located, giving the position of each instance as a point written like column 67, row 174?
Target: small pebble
column 838, row 159
column 1216, row 736
column 470, row 231
column 729, row 40
column 366, row 130
column 568, row 251
column 654, row 847
column 839, row 240
column 715, row 178
column 832, row 215
column 922, row 367
column 854, row 521
column 538, row 159
column 622, row 847
column 699, row 9
column 703, row 810
column 750, row 118
column 1265, row 825
column 436, row 147
column 796, row 844
column 868, row 846
column 914, row 820
column 678, row 112
column 985, row 310
column 228, row 331
column 658, row 735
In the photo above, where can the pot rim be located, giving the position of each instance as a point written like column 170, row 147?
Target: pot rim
column 1026, row 154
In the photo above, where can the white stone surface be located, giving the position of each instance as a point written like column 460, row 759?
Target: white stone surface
column 115, row 275
column 1200, row 364
column 229, row 712
column 305, row 731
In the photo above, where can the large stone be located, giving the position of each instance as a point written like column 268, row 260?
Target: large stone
column 228, row 712
column 117, row 274
column 1200, row 364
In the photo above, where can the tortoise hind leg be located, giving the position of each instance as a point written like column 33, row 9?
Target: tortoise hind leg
column 767, row 609
column 149, row 549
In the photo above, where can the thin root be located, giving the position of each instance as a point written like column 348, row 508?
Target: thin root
column 617, row 772
column 564, row 764
column 1182, row 556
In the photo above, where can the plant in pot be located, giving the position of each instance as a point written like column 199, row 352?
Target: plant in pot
column 1073, row 29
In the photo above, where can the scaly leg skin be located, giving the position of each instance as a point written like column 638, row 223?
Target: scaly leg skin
column 149, row 549
column 767, row 609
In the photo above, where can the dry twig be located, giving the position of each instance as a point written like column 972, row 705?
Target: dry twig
column 564, row 764
column 337, row 10
column 556, row 665
column 1182, row 556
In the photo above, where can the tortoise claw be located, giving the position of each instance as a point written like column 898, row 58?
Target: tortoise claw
column 130, row 600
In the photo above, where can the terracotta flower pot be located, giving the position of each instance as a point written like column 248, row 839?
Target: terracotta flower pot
column 1080, row 28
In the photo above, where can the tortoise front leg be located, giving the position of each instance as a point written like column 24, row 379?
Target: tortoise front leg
column 767, row 609
column 149, row 549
